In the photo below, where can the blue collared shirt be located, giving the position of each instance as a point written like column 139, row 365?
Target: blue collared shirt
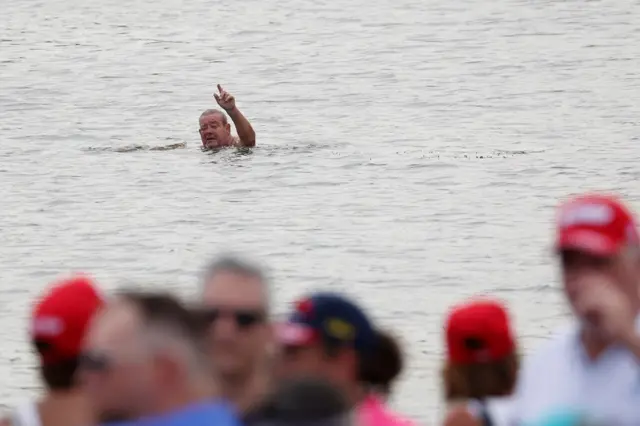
column 201, row 414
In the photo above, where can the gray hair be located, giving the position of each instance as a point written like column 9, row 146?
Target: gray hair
column 239, row 266
column 171, row 327
column 213, row 112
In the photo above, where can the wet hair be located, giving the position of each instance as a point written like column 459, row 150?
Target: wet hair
column 213, row 112
column 59, row 375
column 239, row 266
column 380, row 369
column 480, row 380
column 301, row 401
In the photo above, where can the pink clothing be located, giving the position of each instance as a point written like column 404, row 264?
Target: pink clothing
column 373, row 412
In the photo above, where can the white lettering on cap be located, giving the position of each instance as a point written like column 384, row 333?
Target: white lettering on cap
column 586, row 214
column 48, row 326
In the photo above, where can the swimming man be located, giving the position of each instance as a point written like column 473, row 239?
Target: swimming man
column 215, row 130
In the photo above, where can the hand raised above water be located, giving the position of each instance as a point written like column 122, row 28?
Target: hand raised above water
column 225, row 99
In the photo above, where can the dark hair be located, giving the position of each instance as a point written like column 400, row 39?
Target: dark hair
column 480, row 380
column 384, row 365
column 301, row 400
column 164, row 310
column 59, row 375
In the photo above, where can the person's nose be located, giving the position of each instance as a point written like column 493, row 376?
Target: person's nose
column 225, row 328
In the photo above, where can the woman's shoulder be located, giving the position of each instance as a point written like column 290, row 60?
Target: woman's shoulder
column 374, row 412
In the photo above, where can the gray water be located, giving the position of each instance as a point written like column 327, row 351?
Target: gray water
column 409, row 152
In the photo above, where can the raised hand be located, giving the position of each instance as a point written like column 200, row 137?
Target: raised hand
column 225, row 99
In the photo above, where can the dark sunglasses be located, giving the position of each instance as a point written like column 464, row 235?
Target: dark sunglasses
column 244, row 318
column 94, row 361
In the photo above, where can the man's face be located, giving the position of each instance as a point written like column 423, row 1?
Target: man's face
column 116, row 368
column 580, row 268
column 214, row 132
column 240, row 333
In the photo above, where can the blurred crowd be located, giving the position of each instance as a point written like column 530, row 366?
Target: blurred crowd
column 148, row 358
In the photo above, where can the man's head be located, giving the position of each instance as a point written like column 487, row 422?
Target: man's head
column 597, row 237
column 143, row 352
column 235, row 298
column 59, row 322
column 215, row 130
column 329, row 336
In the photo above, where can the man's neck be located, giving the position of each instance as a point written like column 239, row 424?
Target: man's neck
column 594, row 345
column 245, row 392
column 65, row 407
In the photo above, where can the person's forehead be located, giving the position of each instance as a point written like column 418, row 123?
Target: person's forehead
column 234, row 289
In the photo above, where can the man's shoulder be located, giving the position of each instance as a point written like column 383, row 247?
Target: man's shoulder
column 550, row 357
column 560, row 340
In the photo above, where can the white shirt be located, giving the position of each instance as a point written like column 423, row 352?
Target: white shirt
column 561, row 377
column 499, row 410
column 26, row 414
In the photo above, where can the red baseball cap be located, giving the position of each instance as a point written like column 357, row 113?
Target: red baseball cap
column 61, row 316
column 478, row 331
column 596, row 224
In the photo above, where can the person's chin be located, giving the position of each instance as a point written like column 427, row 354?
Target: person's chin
column 228, row 364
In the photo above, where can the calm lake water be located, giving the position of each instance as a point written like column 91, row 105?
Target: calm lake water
column 409, row 153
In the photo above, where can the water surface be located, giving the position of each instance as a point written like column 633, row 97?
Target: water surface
column 409, row 153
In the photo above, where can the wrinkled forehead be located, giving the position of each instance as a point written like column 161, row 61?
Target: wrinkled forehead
column 116, row 328
column 214, row 117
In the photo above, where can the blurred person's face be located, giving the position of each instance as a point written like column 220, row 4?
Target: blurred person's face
column 579, row 269
column 240, row 333
column 115, row 367
column 314, row 361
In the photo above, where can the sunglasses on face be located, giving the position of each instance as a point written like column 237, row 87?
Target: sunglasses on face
column 243, row 318
column 94, row 361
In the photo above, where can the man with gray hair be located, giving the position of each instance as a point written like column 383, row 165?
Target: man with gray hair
column 144, row 357
column 215, row 130
column 236, row 302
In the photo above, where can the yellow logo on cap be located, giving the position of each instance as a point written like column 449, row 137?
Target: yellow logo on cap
column 339, row 329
